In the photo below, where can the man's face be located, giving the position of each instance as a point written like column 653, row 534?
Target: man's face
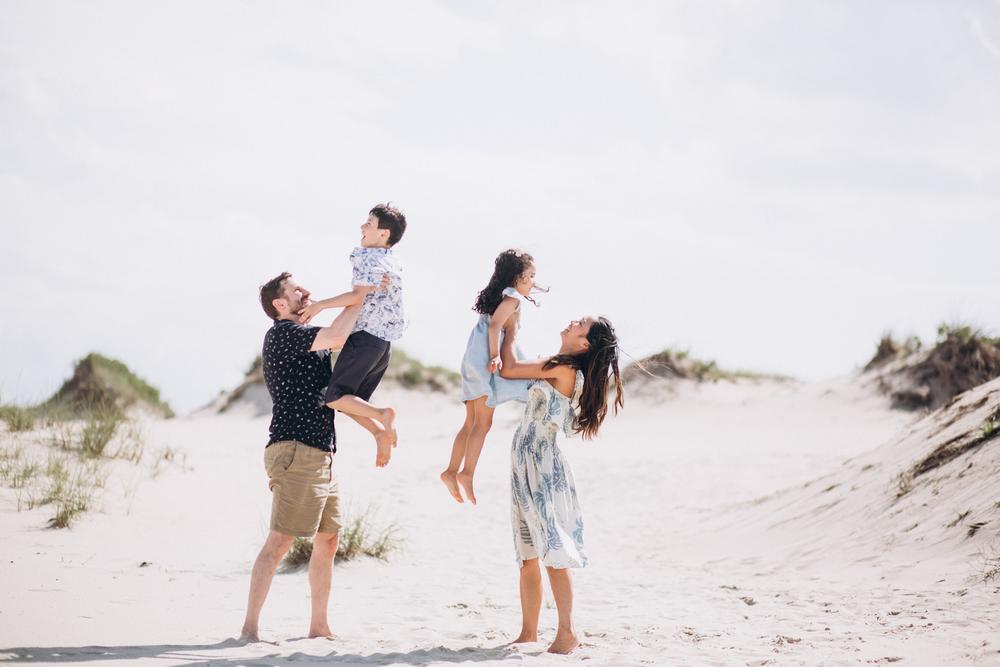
column 372, row 236
column 294, row 298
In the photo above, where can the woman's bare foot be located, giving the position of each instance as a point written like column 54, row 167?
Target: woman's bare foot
column 564, row 643
column 451, row 482
column 465, row 479
column 249, row 636
column 526, row 638
column 324, row 632
column 383, row 448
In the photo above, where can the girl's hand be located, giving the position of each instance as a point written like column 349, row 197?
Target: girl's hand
column 495, row 365
column 309, row 312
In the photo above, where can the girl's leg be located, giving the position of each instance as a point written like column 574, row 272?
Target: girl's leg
column 450, row 475
column 531, row 601
column 477, row 437
column 562, row 590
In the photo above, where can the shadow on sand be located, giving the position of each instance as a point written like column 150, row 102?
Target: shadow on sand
column 200, row 654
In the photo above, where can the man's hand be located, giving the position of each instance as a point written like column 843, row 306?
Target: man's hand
column 309, row 312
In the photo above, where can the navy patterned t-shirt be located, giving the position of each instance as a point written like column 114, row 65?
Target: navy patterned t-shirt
column 297, row 378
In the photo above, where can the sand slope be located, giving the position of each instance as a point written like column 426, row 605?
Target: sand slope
column 685, row 571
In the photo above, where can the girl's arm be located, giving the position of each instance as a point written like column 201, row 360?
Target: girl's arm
column 508, row 306
column 515, row 369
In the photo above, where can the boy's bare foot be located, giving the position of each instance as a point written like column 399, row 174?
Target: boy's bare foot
column 526, row 638
column 564, row 643
column 388, row 420
column 450, row 480
column 383, row 449
column 465, row 479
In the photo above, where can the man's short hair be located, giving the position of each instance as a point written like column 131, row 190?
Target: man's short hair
column 271, row 290
column 391, row 218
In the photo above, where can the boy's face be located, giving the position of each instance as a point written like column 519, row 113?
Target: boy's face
column 372, row 236
column 526, row 281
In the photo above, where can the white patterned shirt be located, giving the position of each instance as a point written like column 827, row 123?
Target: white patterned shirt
column 382, row 313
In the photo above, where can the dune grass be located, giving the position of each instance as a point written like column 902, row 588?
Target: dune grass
column 17, row 418
column 358, row 538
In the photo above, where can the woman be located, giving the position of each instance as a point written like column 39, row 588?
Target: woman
column 545, row 512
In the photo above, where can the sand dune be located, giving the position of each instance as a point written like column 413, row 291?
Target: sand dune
column 732, row 523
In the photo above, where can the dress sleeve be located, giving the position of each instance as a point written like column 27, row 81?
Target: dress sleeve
column 510, row 291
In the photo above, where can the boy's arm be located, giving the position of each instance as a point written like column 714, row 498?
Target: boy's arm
column 345, row 300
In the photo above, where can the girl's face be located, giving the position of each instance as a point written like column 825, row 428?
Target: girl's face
column 574, row 336
column 526, row 281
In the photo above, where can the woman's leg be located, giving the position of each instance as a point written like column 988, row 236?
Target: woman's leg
column 477, row 438
column 531, row 601
column 562, row 590
column 450, row 475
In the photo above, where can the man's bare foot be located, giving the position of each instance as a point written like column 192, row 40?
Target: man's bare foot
column 465, row 479
column 526, row 638
column 383, row 449
column 249, row 636
column 564, row 643
column 450, row 480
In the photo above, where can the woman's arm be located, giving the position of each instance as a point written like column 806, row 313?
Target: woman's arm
column 515, row 369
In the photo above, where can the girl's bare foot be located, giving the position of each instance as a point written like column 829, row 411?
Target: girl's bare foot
column 564, row 643
column 526, row 638
column 465, row 479
column 451, row 482
column 383, row 449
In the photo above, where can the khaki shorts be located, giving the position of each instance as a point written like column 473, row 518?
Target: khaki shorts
column 306, row 499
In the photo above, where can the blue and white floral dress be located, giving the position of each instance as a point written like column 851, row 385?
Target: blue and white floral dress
column 545, row 510
column 476, row 381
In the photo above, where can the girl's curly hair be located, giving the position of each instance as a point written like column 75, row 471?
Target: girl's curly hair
column 600, row 366
column 509, row 266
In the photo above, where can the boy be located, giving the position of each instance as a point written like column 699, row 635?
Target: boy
column 365, row 356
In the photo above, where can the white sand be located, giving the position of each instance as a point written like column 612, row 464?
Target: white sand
column 834, row 576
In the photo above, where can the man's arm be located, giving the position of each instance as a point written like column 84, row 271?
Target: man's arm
column 334, row 336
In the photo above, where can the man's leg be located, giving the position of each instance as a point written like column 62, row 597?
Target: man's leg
column 275, row 547
column 320, row 578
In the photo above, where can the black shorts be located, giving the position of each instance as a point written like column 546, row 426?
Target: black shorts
column 359, row 367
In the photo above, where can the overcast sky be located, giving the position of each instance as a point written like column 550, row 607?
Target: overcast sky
column 771, row 184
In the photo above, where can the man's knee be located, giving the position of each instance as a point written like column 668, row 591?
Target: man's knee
column 326, row 543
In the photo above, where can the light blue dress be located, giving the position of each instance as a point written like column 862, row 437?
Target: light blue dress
column 545, row 511
column 476, row 382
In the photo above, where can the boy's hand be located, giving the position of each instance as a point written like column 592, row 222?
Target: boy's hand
column 309, row 312
column 385, row 282
column 495, row 365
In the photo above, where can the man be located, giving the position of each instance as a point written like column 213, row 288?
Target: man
column 299, row 454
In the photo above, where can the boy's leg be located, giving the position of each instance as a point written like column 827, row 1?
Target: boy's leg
column 458, row 449
column 358, row 370
column 383, row 439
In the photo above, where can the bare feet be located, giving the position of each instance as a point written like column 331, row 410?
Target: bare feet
column 564, row 643
column 388, row 420
column 323, row 632
column 249, row 636
column 450, row 480
column 526, row 638
column 383, row 448
column 465, row 479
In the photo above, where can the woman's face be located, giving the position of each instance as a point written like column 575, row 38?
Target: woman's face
column 526, row 281
column 574, row 336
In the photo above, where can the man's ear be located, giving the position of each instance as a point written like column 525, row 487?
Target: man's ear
column 275, row 302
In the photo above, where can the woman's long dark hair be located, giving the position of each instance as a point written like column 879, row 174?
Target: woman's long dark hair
column 509, row 266
column 599, row 365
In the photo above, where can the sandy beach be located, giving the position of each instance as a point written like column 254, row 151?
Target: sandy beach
column 746, row 523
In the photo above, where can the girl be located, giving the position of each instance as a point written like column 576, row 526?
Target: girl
column 545, row 512
column 512, row 281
